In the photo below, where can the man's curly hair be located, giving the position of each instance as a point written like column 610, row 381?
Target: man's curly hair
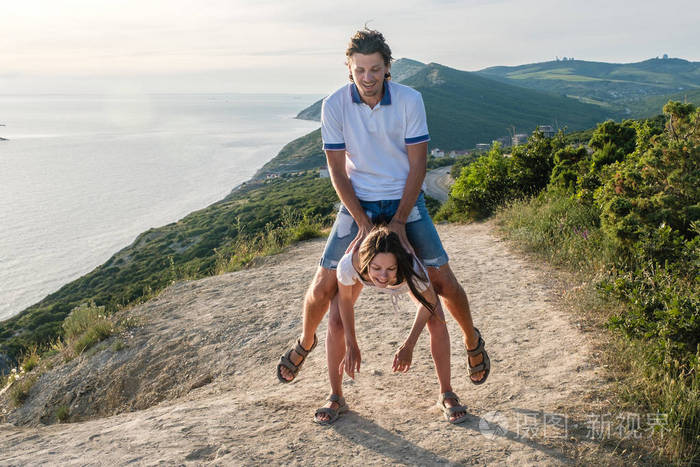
column 368, row 41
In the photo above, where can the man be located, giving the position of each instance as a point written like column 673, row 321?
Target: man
column 375, row 137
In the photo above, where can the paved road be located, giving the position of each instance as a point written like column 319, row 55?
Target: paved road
column 438, row 183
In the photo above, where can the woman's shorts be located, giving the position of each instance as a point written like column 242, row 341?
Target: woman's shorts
column 420, row 231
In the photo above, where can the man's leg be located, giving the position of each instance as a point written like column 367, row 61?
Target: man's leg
column 423, row 236
column 324, row 286
column 456, row 301
column 318, row 296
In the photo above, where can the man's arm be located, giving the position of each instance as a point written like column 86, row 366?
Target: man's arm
column 346, row 193
column 417, row 161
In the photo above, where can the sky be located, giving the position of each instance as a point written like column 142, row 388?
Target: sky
column 278, row 46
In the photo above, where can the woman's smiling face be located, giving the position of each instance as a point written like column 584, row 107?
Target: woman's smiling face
column 382, row 270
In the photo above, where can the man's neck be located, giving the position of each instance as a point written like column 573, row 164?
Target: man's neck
column 373, row 101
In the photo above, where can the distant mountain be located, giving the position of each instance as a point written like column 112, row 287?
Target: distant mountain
column 465, row 108
column 631, row 89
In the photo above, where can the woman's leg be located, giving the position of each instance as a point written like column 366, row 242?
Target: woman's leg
column 440, row 349
column 335, row 350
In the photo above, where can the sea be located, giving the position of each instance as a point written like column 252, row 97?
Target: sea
column 82, row 175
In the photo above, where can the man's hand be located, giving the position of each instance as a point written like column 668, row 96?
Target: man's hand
column 351, row 362
column 362, row 231
column 403, row 358
column 400, row 229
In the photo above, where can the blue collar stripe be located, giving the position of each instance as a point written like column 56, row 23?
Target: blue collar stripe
column 356, row 99
column 355, row 94
column 386, row 98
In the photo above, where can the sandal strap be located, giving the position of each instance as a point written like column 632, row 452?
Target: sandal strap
column 479, row 348
column 485, row 365
column 327, row 410
column 456, row 409
column 337, row 399
column 448, row 395
column 302, row 351
column 287, row 363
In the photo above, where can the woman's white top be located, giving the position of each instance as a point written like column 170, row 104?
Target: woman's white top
column 348, row 275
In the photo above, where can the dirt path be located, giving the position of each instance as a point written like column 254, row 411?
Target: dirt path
column 238, row 324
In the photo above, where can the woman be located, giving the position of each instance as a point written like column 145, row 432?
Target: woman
column 382, row 262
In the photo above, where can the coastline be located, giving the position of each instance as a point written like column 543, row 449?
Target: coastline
column 22, row 296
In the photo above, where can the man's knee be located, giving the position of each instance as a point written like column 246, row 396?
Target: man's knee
column 444, row 281
column 323, row 288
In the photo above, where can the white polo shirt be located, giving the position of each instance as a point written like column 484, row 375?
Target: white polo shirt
column 375, row 139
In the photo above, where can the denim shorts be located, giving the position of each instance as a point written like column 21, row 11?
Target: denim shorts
column 420, row 231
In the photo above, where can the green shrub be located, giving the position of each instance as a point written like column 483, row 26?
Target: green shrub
column 62, row 414
column 19, row 392
column 531, row 164
column 30, row 360
column 632, row 226
column 85, row 326
column 483, row 185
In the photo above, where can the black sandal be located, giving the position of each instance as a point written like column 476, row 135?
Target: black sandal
column 484, row 366
column 286, row 360
column 333, row 414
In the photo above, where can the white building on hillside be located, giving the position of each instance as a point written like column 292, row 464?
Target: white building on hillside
column 520, row 138
column 435, row 152
column 547, row 130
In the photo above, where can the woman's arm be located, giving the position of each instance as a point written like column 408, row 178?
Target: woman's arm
column 347, row 295
column 404, row 356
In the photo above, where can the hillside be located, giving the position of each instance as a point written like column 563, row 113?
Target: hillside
column 195, row 382
column 193, row 247
column 465, row 108
column 303, row 153
column 632, row 88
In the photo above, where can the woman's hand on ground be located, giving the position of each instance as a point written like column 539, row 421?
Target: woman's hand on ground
column 403, row 358
column 352, row 360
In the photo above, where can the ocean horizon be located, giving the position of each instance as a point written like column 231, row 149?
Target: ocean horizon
column 81, row 176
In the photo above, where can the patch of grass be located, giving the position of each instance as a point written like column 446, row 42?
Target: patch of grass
column 30, row 360
column 19, row 392
column 117, row 345
column 273, row 240
column 62, row 414
column 558, row 228
column 86, row 326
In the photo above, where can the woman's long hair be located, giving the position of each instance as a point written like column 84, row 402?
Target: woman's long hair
column 382, row 240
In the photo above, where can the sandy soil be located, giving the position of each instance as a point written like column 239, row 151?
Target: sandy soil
column 196, row 383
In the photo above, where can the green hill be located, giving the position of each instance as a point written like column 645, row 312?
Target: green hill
column 259, row 215
column 303, row 153
column 632, row 88
column 465, row 108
